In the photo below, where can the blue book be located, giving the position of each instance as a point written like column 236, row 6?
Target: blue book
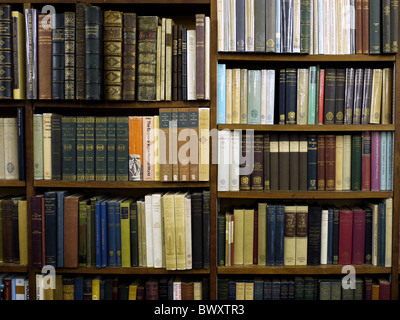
column 221, row 94
column 279, row 235
column 254, row 97
column 381, row 234
column 258, row 289
column 330, row 236
column 278, row 26
column 111, row 243
column 118, row 232
column 78, row 288
column 104, row 233
column 292, row 289
column 383, row 160
column 13, row 292
column 312, row 158
column 276, row 289
column 271, row 218
column 267, row 290
column 50, row 218
column 60, row 227
column 389, row 161
column 231, row 290
column 299, row 288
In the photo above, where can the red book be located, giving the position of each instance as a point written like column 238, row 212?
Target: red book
column 321, row 96
column 152, row 289
column 359, row 30
column 345, row 236
column 321, row 161
column 375, row 161
column 384, row 289
column 7, row 291
column 255, row 238
column 366, row 161
column 115, row 289
column 330, row 162
column 358, row 236
column 368, row 288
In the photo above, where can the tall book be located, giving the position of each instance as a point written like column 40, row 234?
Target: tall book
column 44, row 56
column 330, row 96
column 68, row 141
column 69, row 46
column 129, row 56
column 375, row 27
column 19, row 63
column 135, row 148
column 80, row 52
column 101, row 149
column 58, row 58
column 31, row 53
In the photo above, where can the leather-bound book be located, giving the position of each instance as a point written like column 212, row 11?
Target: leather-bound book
column 394, row 26
column 356, row 160
column 31, row 53
column 314, row 236
column 303, row 144
column 19, row 47
column 58, row 59
column 175, row 62
column 69, row 36
column 330, row 159
column 80, row 51
column 284, row 161
column 200, row 56
column 340, row 95
column 330, row 96
column 321, row 162
column 349, row 96
column 257, row 176
column 365, row 26
column 129, row 56
column 291, row 96
column 6, row 52
column 359, row 27
column 375, row 27
column 113, row 55
column 44, row 57
column 312, row 163
column 366, row 161
column 358, row 241
column 187, row 290
column 37, row 231
column 94, row 53
column 358, row 95
column 68, row 141
column 147, row 57
column 294, row 145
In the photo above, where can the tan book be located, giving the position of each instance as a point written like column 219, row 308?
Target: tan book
column 289, row 238
column 387, row 96
column 235, row 96
column 296, row 26
column 249, row 290
column 180, row 237
column 376, row 98
column 262, row 234
column 389, row 231
column 249, row 26
column 156, row 147
column 302, row 96
column 197, row 290
column 238, row 215
column 301, row 234
column 169, row 231
column 204, row 144
column 158, row 70
column 228, row 99
column 23, row 232
column 243, row 96
column 240, row 290
column 339, row 163
column 346, row 163
column 47, row 146
column 248, row 237
column 11, row 149
column 168, row 59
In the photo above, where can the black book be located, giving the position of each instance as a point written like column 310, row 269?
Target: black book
column 6, row 53
column 312, row 165
column 330, row 96
column 282, row 96
column 50, row 213
column 197, row 230
column 335, row 236
column 58, row 59
column 339, row 94
column 349, row 96
column 291, row 96
column 134, row 234
column 368, row 236
column 206, row 228
column 314, row 236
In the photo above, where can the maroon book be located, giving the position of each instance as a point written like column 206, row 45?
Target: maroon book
column 321, row 161
column 330, row 161
column 358, row 236
column 375, row 161
column 115, row 289
column 368, row 288
column 366, row 161
column 152, row 289
column 384, row 289
column 345, row 235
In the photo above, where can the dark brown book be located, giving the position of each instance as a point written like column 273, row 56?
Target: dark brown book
column 284, row 161
column 129, row 56
column 7, row 231
column 330, row 161
column 113, row 55
column 274, row 161
column 44, row 56
column 152, row 289
column 200, row 56
column 321, row 161
column 175, row 62
column 365, row 26
column 386, row 22
column 257, row 176
column 359, row 25
column 187, row 290
column 294, row 153
column 80, row 51
column 303, row 165
column 266, row 150
column 245, row 179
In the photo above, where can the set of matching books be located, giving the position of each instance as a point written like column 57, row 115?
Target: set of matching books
column 312, row 95
column 304, row 288
column 14, row 286
column 308, row 26
column 171, row 146
column 91, row 54
column 304, row 234
column 13, row 230
column 292, row 161
column 168, row 230
column 114, row 288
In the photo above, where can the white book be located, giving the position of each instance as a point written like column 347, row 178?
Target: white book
column 340, row 25
column 39, row 287
column 270, row 96
column 347, row 25
column 220, row 25
column 191, row 64
column 321, row 25
column 180, row 238
column 20, row 288
column 228, row 97
column 2, row 151
column 263, row 113
column 207, row 58
column 297, row 26
column 389, row 231
column 168, row 60
column 232, row 25
column 149, row 230
column 235, row 151
column 327, row 27
column 163, row 28
column 313, row 23
column 11, row 149
column 177, row 289
column 157, row 232
column 249, row 26
column 188, row 231
column 324, row 236
column 226, row 23
column 236, row 96
column 346, row 162
column 47, row 169
column 224, row 138
column 334, row 24
column 278, row 26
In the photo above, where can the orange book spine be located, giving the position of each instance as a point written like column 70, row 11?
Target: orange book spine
column 135, row 148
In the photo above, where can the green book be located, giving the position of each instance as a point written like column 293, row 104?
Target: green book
column 254, row 97
column 356, row 162
column 80, row 148
column 133, row 218
column 299, row 288
column 310, row 289
column 101, row 149
column 111, row 135
column 68, row 142
column 122, row 149
column 305, row 26
column 221, row 240
column 375, row 27
column 89, row 148
column 312, row 95
column 82, row 240
column 38, row 146
column 336, row 289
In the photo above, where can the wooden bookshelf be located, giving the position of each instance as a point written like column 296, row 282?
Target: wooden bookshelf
column 309, row 128
column 12, row 183
column 129, row 271
column 9, row 267
column 119, row 185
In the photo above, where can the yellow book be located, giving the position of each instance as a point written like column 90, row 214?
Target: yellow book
column 20, row 91
column 236, row 96
column 96, row 288
column 339, row 163
column 156, row 128
column 262, row 233
column 47, row 146
column 243, row 96
column 302, row 96
column 204, row 144
column 290, row 236
column 125, row 233
column 376, row 98
column 197, row 290
column 249, row 290
column 387, row 94
column 23, row 232
column 228, row 99
column 132, row 289
column 58, row 291
column 180, row 235
column 248, row 237
column 238, row 215
column 240, row 290
column 169, row 231
column 301, row 234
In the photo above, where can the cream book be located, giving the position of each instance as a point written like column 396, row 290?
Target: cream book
column 375, row 216
column 162, row 74
column 346, row 162
column 158, row 65
column 324, row 236
column 235, row 150
column 376, row 98
column 169, row 231
column 2, row 151
column 262, row 234
column 238, row 237
column 243, row 96
column 148, row 221
column 220, row 25
column 387, row 96
column 389, row 231
column 270, row 96
column 289, row 252
column 240, row 290
column 235, row 96
column 204, row 144
column 47, row 169
column 232, row 25
column 248, row 236
column 296, row 26
column 249, row 290
column 263, row 113
column 191, row 64
column 228, row 98
column 188, row 230
column 156, row 230
column 224, row 141
column 339, row 163
column 11, row 149
column 302, row 95
column 156, row 147
column 140, row 233
column 197, row 290
column 180, row 237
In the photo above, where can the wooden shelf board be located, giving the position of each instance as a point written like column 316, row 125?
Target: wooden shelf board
column 127, row 271
column 119, row 185
column 187, row 2
column 273, row 57
column 10, row 267
column 12, row 183
column 305, row 194
column 308, row 128
column 12, row 103
column 304, row 270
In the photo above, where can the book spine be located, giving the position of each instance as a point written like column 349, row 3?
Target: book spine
column 270, row 32
column 200, row 56
column 259, row 26
column 321, row 96
column 221, row 94
column 122, row 149
column 69, row 45
column 58, row 58
column 305, row 27
column 44, row 57
column 6, row 52
column 314, row 236
column 291, row 96
column 394, row 26
column 257, row 176
column 367, row 96
column 330, row 160
column 37, row 232
column 80, row 52
column 68, row 140
column 358, row 240
column 340, row 95
column 358, row 95
column 266, row 150
column 101, row 149
column 321, row 162
column 359, row 26
column 349, row 96
column 80, row 148
column 271, row 246
column 129, row 56
column 386, row 21
column 193, row 124
column 19, row 56
column 345, row 236
column 282, row 96
column 312, row 163
column 375, row 27
column 50, row 209
column 366, row 161
column 294, row 145
column 90, row 148
column 356, row 161
column 240, row 25
column 111, row 149
column 37, row 143
column 375, row 161
column 133, row 224
column 330, row 96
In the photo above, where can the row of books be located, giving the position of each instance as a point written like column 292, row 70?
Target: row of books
column 171, row 146
column 13, row 230
column 312, row 95
column 96, row 54
column 119, row 288
column 306, row 234
column 304, row 288
column 292, row 161
column 308, row 27
column 168, row 230
column 14, row 286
